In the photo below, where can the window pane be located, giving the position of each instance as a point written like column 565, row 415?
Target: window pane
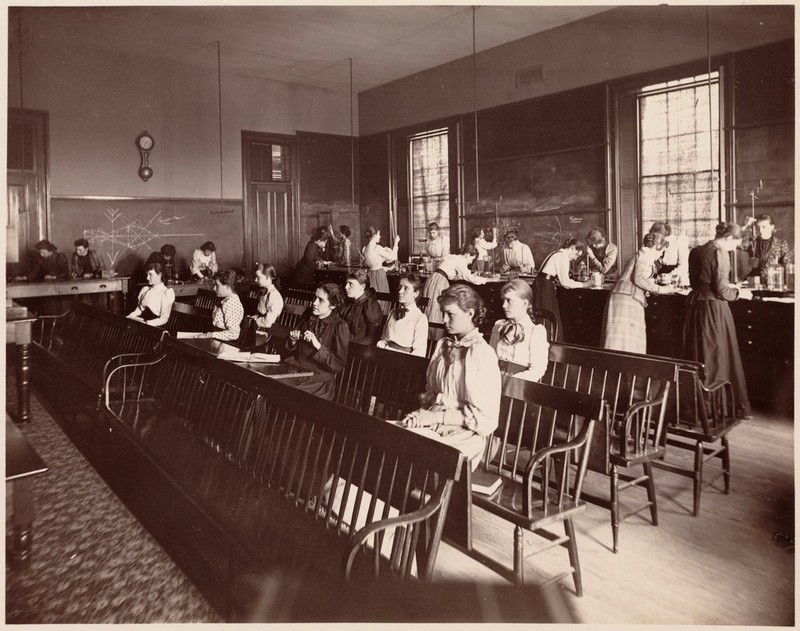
column 430, row 187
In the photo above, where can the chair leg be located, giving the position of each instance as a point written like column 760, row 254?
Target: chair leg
column 572, row 546
column 519, row 556
column 726, row 464
column 615, row 505
column 698, row 475
column 651, row 492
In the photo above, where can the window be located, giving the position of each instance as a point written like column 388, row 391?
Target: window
column 679, row 155
column 430, row 186
column 269, row 163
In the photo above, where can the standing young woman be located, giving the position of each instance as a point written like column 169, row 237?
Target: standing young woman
column 453, row 267
column 361, row 311
column 483, row 260
column 406, row 329
column 709, row 333
column 270, row 302
column 556, row 268
column 517, row 339
column 320, row 343
column 155, row 301
column 623, row 320
column 461, row 402
column 312, row 256
column 374, row 256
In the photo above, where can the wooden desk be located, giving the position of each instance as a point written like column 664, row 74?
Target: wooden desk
column 19, row 325
column 59, row 292
column 22, row 463
column 274, row 371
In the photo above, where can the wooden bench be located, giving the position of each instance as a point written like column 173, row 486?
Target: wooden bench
column 636, row 388
column 186, row 317
column 205, row 299
column 75, row 349
column 283, row 481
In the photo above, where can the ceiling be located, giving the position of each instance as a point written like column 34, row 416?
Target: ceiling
column 307, row 45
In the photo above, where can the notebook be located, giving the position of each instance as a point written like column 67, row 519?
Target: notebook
column 484, row 482
column 249, row 358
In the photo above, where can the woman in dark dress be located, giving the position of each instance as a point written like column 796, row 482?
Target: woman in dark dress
column 362, row 312
column 313, row 255
column 320, row 343
column 709, row 333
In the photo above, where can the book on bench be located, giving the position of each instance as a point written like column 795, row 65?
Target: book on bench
column 484, row 482
column 249, row 358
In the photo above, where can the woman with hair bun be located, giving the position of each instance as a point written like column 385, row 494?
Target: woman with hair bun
column 453, row 267
column 461, row 402
column 270, row 302
column 517, row 339
column 624, row 326
column 362, row 312
column 556, row 268
column 709, row 334
column 228, row 313
column 204, row 261
column 374, row 256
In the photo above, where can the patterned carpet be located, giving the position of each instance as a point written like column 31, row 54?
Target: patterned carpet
column 92, row 561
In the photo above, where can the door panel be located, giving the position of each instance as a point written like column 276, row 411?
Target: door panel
column 274, row 229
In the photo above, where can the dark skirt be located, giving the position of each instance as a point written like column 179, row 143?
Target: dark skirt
column 710, row 337
column 545, row 297
column 321, row 384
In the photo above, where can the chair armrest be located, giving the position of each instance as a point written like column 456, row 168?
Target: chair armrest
column 708, row 389
column 116, row 369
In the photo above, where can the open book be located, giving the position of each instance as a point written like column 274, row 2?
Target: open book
column 249, row 358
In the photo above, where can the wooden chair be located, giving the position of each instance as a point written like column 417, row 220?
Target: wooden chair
column 548, row 319
column 543, row 432
column 436, row 331
column 291, row 314
column 636, row 388
column 205, row 299
column 186, row 317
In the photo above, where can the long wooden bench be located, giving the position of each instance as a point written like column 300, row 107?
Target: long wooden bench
column 280, row 480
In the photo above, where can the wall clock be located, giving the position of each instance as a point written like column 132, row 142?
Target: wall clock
column 145, row 143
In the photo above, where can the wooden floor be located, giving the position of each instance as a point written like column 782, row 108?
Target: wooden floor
column 732, row 565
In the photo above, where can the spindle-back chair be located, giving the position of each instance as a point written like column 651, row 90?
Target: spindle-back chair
column 205, row 298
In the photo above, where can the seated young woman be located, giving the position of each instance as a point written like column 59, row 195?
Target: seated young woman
column 228, row 313
column 406, row 329
column 361, row 311
column 461, row 402
column 155, row 301
column 517, row 339
column 270, row 302
column 320, row 343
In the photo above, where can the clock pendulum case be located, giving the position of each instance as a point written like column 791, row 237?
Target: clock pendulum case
column 145, row 143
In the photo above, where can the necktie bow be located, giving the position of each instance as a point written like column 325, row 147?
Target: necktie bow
column 400, row 312
column 512, row 332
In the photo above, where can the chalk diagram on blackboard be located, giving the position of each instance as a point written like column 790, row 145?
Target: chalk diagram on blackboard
column 131, row 235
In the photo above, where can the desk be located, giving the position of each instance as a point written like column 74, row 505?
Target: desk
column 59, row 292
column 22, row 463
column 274, row 371
column 19, row 324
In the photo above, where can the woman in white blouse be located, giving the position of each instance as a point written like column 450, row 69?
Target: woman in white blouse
column 406, row 329
column 435, row 246
column 461, row 402
column 270, row 302
column 374, row 255
column 453, row 267
column 516, row 254
column 517, row 339
column 204, row 261
column 556, row 268
column 155, row 301
column 483, row 258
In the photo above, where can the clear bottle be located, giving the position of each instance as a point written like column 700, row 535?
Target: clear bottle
column 583, row 273
column 790, row 276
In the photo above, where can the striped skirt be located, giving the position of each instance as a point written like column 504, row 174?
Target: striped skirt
column 624, row 327
column 433, row 288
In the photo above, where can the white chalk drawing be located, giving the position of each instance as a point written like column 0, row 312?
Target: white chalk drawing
column 131, row 235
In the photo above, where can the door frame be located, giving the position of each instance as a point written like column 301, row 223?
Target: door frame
column 248, row 204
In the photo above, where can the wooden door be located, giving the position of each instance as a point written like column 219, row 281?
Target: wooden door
column 28, row 203
column 271, row 224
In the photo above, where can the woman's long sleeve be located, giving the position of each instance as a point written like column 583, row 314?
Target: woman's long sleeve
column 562, row 271
column 482, row 383
column 334, row 357
column 538, row 354
column 138, row 310
column 720, row 277
column 270, row 307
column 463, row 273
column 212, row 264
column 643, row 276
column 420, row 344
column 167, row 298
column 230, row 313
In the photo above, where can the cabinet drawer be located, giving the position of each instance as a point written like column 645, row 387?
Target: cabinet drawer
column 84, row 287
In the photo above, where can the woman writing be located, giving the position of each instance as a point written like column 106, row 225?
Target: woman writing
column 517, row 339
column 461, row 402
column 623, row 321
column 556, row 268
column 361, row 312
column 270, row 302
column 319, row 344
column 709, row 333
column 204, row 261
column 374, row 256
column 406, row 329
column 453, row 267
column 155, row 301
column 312, row 257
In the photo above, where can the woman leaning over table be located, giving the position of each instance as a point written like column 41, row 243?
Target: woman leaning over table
column 228, row 313
column 517, row 339
column 270, row 302
column 453, row 267
column 406, row 329
column 623, row 320
column 155, row 301
column 204, row 261
column 709, row 334
column 320, row 342
column 461, row 403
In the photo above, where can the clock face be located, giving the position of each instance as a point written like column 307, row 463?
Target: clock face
column 145, row 142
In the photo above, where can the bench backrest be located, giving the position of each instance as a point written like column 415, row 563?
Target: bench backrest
column 296, row 294
column 343, row 467
column 543, row 430
column 635, row 387
column 186, row 317
column 205, row 298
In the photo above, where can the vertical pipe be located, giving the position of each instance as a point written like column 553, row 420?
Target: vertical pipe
column 352, row 146
column 219, row 112
column 475, row 106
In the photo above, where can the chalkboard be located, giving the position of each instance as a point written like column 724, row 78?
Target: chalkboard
column 126, row 231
